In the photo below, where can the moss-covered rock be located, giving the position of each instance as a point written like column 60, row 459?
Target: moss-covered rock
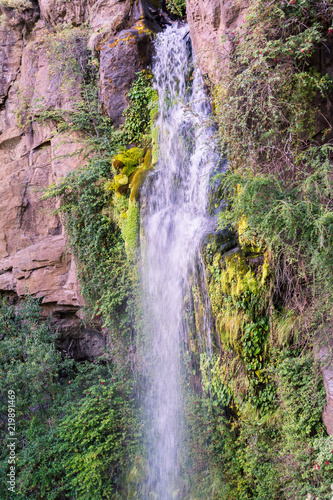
column 128, row 160
column 237, row 278
column 126, row 163
column 132, row 167
column 130, row 229
column 140, row 175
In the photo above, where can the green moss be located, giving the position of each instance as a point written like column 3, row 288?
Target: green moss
column 155, row 148
column 119, row 182
column 233, row 285
column 137, row 182
column 237, row 277
column 130, row 229
column 153, row 112
column 140, row 176
column 147, row 159
column 237, row 286
column 127, row 161
column 126, row 189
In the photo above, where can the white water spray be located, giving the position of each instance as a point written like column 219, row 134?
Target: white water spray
column 174, row 220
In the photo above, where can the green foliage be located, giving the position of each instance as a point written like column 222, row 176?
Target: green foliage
column 212, row 380
column 284, row 454
column 269, row 400
column 95, row 220
column 202, row 478
column 100, row 426
column 87, row 453
column 177, row 7
column 96, row 242
column 238, row 288
column 272, row 96
column 294, row 220
column 75, row 425
column 267, row 96
column 102, row 223
column 125, row 164
column 277, row 195
column 304, row 395
column 137, row 115
column 265, row 423
column 29, row 360
column 131, row 229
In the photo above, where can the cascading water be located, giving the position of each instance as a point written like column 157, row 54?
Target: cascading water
column 174, row 221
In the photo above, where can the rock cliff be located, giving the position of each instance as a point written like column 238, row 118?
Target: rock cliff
column 208, row 22
column 33, row 255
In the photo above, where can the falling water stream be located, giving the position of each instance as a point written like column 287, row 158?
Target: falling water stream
column 174, row 221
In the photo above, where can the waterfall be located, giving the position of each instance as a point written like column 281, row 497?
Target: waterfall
column 174, row 221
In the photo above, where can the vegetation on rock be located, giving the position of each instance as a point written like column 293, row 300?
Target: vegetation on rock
column 100, row 219
column 271, row 292
column 85, row 410
column 255, row 431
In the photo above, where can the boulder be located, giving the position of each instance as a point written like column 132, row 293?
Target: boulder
column 121, row 57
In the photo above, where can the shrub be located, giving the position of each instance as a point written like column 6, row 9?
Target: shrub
column 276, row 194
column 137, row 114
column 75, row 427
column 177, row 7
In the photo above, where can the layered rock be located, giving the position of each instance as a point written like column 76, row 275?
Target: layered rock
column 33, row 254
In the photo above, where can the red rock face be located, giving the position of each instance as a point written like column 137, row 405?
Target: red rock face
column 120, row 58
column 208, row 20
column 33, row 254
column 32, row 243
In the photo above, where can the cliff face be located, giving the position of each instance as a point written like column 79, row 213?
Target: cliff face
column 208, row 22
column 32, row 240
column 33, row 255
